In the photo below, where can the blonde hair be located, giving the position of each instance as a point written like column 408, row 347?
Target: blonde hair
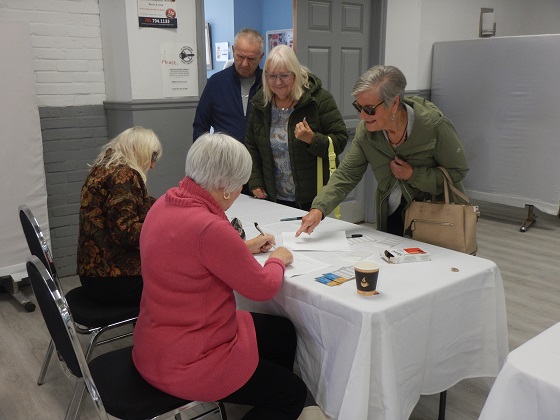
column 136, row 147
column 284, row 56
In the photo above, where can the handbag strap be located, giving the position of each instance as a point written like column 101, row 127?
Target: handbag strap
column 332, row 168
column 448, row 185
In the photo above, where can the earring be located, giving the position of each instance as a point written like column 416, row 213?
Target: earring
column 226, row 195
column 393, row 117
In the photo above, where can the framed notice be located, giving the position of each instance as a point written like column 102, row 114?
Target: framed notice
column 280, row 36
column 156, row 14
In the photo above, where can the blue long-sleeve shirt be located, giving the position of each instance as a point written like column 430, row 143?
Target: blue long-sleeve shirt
column 221, row 105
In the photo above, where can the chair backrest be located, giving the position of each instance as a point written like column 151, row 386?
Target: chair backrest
column 56, row 314
column 38, row 245
column 60, row 324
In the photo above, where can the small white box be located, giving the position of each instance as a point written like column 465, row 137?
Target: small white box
column 404, row 255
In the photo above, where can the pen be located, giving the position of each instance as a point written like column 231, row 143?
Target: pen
column 356, row 235
column 287, row 219
column 262, row 233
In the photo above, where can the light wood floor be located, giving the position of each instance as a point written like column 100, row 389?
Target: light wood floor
column 529, row 263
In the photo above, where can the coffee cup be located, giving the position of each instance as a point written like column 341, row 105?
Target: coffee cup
column 367, row 273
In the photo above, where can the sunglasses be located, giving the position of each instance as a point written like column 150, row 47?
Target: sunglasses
column 368, row 109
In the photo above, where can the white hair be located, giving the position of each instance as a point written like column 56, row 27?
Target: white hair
column 218, row 161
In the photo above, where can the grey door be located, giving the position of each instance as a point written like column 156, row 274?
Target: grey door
column 338, row 40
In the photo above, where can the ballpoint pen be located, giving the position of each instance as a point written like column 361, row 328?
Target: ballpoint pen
column 355, row 235
column 262, row 233
column 287, row 219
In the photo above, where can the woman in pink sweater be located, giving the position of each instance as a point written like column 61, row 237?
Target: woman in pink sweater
column 190, row 340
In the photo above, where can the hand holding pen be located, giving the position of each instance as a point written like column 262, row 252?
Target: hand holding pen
column 270, row 240
column 282, row 253
column 304, row 132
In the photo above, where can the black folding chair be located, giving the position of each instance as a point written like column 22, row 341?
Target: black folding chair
column 115, row 386
column 91, row 317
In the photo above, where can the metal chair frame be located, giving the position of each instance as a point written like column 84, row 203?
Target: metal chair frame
column 61, row 326
column 95, row 332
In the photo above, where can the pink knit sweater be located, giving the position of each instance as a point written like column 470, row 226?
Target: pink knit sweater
column 190, row 341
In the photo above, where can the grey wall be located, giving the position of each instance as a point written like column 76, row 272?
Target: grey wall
column 72, row 137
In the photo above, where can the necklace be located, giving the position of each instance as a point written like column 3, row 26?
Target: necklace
column 403, row 137
column 283, row 109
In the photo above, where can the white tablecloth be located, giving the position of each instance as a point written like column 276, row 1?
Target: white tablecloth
column 372, row 357
column 528, row 387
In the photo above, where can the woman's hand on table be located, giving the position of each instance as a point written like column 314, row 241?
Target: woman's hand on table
column 284, row 254
column 310, row 221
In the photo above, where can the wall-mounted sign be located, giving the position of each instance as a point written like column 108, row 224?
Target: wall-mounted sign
column 157, row 13
column 179, row 70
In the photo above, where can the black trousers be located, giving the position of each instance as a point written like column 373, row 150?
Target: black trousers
column 123, row 289
column 274, row 391
column 395, row 221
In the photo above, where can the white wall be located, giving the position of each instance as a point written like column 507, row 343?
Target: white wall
column 414, row 25
column 66, row 47
column 131, row 54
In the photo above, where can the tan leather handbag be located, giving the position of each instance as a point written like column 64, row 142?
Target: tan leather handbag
column 450, row 225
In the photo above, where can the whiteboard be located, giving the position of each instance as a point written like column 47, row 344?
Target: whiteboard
column 21, row 159
column 503, row 95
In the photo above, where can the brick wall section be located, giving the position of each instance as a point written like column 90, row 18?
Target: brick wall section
column 72, row 137
column 66, row 48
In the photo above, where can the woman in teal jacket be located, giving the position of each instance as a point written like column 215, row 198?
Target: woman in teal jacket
column 404, row 140
column 288, row 128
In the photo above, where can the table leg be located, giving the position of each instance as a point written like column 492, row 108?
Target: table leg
column 531, row 218
column 442, row 402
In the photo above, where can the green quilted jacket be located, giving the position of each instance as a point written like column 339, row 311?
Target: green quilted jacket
column 318, row 106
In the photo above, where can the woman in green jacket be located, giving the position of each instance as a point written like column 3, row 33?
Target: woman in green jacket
column 288, row 128
column 404, row 140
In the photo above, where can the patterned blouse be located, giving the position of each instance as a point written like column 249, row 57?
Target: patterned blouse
column 113, row 205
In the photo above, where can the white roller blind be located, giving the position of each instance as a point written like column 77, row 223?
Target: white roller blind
column 22, row 172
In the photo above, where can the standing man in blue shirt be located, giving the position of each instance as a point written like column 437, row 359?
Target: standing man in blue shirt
column 225, row 102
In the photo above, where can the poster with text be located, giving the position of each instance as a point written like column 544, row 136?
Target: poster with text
column 179, row 70
column 157, row 14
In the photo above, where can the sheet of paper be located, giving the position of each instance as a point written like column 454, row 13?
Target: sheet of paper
column 302, row 264
column 317, row 241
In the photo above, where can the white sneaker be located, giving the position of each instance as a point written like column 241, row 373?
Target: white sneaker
column 313, row 412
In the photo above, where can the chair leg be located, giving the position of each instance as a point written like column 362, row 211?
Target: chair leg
column 45, row 365
column 223, row 414
column 75, row 406
column 442, row 403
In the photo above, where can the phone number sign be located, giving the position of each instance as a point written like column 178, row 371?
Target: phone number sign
column 157, row 14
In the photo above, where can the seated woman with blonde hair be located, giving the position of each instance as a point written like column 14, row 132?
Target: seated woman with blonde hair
column 113, row 205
